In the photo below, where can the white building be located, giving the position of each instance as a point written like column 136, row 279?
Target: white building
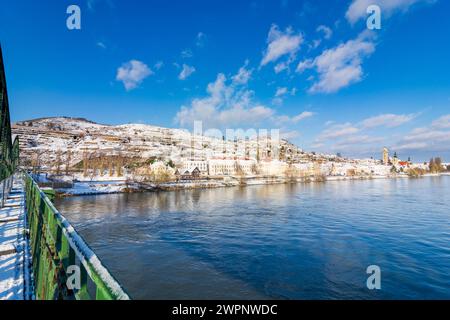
column 273, row 168
column 246, row 167
column 421, row 166
column 222, row 167
column 190, row 165
column 304, row 169
column 159, row 168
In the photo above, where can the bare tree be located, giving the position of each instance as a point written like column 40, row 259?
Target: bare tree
column 58, row 162
column 36, row 161
column 438, row 162
column 110, row 167
column 102, row 164
column 119, row 164
column 435, row 165
column 85, row 164
column 68, row 160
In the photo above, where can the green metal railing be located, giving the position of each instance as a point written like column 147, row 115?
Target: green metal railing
column 55, row 247
column 58, row 253
column 9, row 149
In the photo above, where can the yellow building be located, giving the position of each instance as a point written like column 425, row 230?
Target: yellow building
column 385, row 156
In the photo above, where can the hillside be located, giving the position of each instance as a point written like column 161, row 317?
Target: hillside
column 66, row 142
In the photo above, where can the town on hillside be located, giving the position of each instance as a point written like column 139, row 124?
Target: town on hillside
column 77, row 156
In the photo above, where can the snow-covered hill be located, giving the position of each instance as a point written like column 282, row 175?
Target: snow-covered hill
column 47, row 141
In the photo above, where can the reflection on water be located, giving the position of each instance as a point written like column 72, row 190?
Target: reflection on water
column 304, row 241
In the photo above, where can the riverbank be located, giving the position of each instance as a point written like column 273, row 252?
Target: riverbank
column 112, row 186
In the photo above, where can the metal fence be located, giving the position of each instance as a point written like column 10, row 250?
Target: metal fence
column 59, row 255
column 5, row 189
column 63, row 266
column 9, row 146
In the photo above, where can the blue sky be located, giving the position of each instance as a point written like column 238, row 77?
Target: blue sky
column 309, row 68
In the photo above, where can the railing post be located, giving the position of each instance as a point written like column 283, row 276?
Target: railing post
column 9, row 185
column 1, row 200
column 3, row 193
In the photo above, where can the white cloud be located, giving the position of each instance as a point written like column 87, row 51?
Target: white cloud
column 159, row 65
column 101, row 45
column 240, row 115
column 334, row 131
column 427, row 141
column 132, row 73
column 302, row 116
column 305, row 64
column 281, row 91
column 333, row 81
column 442, row 123
column 358, row 140
column 327, row 32
column 337, row 131
column 348, row 138
column 223, row 106
column 434, row 138
column 243, row 75
column 427, row 135
column 277, row 101
column 358, row 145
column 317, row 145
column 201, row 38
column 388, row 120
column 279, row 94
column 315, row 44
column 357, row 9
column 186, row 72
column 281, row 43
column 289, row 135
column 280, row 67
column 340, row 66
column 285, row 119
column 230, row 104
column 186, row 53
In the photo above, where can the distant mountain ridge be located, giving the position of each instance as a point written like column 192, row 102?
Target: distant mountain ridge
column 59, row 117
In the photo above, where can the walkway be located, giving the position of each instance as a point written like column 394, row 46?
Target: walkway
column 14, row 252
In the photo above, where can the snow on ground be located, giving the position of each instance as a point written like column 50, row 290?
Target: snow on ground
column 97, row 187
column 44, row 142
column 93, row 188
column 97, row 178
column 12, row 221
column 11, row 281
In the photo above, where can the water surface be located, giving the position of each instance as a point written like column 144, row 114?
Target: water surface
column 304, row 241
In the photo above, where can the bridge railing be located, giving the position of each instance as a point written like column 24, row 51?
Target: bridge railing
column 60, row 255
column 5, row 189
column 9, row 145
column 7, row 167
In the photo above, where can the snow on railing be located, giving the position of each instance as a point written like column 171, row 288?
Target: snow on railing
column 58, row 250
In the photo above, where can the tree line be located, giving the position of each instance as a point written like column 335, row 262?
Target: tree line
column 435, row 165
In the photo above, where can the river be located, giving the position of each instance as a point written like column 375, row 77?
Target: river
column 298, row 241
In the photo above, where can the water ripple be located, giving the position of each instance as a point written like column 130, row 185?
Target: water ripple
column 306, row 241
